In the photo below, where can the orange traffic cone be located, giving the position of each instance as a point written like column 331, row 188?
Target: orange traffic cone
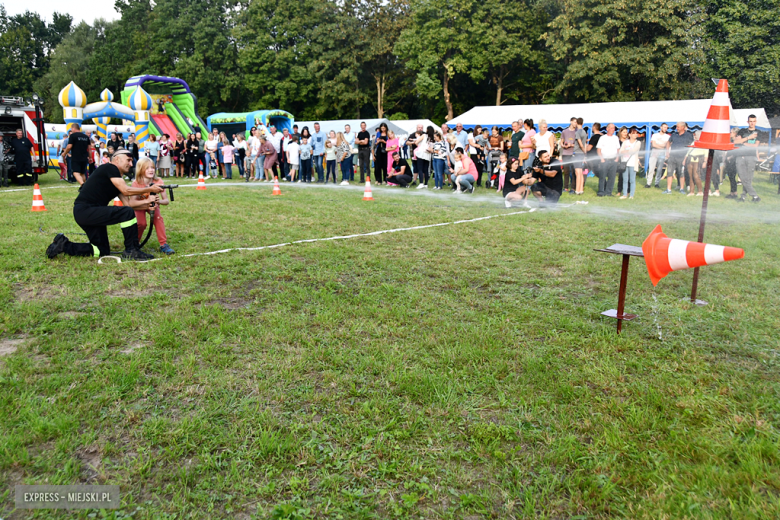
column 277, row 189
column 201, row 182
column 716, row 132
column 37, row 199
column 117, row 202
column 664, row 255
column 367, row 195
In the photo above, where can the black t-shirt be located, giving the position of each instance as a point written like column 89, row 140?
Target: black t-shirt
column 594, row 140
column 749, row 150
column 22, row 148
column 554, row 183
column 380, row 144
column 133, row 147
column 116, row 143
column 508, row 186
column 99, row 190
column 79, row 144
column 364, row 135
column 400, row 163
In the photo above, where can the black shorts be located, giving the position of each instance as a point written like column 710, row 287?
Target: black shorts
column 549, row 195
column 79, row 166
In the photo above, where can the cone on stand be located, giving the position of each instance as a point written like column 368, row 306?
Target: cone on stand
column 37, row 204
column 664, row 255
column 367, row 195
column 201, row 182
column 117, row 202
column 716, row 132
column 277, row 189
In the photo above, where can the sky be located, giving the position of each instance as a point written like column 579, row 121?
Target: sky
column 86, row 10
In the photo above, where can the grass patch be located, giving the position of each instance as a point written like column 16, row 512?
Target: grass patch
column 460, row 371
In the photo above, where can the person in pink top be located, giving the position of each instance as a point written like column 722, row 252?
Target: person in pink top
column 466, row 175
column 391, row 147
column 527, row 143
column 145, row 175
column 227, row 158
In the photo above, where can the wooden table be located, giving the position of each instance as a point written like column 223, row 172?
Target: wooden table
column 627, row 252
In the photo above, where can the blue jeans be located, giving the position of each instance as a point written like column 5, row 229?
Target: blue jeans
column 240, row 164
column 530, row 161
column 464, row 180
column 318, row 167
column 259, row 164
column 331, row 170
column 439, row 165
column 305, row 170
column 228, row 170
column 350, row 167
column 629, row 176
column 345, row 171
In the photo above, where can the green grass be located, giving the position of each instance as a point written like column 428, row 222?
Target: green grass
column 461, row 371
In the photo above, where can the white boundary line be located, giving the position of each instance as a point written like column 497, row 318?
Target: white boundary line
column 345, row 237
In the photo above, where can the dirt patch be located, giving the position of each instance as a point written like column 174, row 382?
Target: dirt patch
column 10, row 345
column 27, row 293
column 132, row 348
column 91, row 462
column 234, row 303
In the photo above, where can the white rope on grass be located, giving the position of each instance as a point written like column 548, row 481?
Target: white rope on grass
column 357, row 235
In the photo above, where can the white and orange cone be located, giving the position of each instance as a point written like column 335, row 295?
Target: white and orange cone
column 664, row 255
column 201, row 182
column 716, row 132
column 367, row 195
column 277, row 189
column 37, row 199
column 117, row 202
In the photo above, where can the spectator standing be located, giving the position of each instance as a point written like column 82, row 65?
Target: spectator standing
column 696, row 162
column 380, row 155
column 305, row 153
column 164, row 157
column 655, row 165
column 544, row 140
column 293, row 158
column 364, row 153
column 393, row 145
column 211, row 149
column 580, row 152
column 608, row 147
column 350, row 137
column 133, row 147
column 515, row 139
column 270, row 159
column 330, row 159
column 676, row 152
column 749, row 140
column 191, row 159
column 621, row 167
column 240, row 155
column 343, row 154
column 495, row 148
column 461, row 135
column 439, row 161
column 629, row 152
column 527, row 144
column 153, row 149
column 318, row 145
column 594, row 163
column 179, row 155
column 568, row 146
column 284, row 166
column 276, row 141
column 422, row 151
column 411, row 143
column 228, row 152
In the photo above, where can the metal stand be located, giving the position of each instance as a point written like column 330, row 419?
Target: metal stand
column 627, row 252
column 702, row 222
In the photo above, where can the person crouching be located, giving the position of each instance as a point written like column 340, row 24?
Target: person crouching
column 145, row 175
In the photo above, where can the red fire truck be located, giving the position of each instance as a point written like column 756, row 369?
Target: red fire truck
column 27, row 114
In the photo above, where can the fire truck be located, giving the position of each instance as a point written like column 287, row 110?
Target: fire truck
column 27, row 114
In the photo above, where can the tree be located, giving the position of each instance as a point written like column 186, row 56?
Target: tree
column 435, row 43
column 624, row 50
column 742, row 44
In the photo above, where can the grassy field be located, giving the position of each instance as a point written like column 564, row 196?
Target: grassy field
column 459, row 371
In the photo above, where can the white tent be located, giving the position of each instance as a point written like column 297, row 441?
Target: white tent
column 639, row 113
column 338, row 125
column 410, row 125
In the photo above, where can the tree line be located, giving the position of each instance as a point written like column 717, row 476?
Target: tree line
column 329, row 59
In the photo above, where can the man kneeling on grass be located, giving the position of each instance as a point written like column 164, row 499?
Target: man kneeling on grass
column 550, row 178
column 92, row 212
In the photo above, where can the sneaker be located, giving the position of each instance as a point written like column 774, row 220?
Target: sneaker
column 667, row 192
column 136, row 254
column 690, row 194
column 682, row 191
column 700, row 194
column 741, row 199
column 623, row 197
column 57, row 246
column 756, row 199
column 716, row 193
column 472, row 189
column 649, row 185
column 422, row 186
column 631, row 198
column 507, row 204
column 344, row 183
column 165, row 248
column 731, row 196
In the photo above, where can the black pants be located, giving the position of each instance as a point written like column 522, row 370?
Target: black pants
column 380, row 168
column 731, row 171
column 3, row 173
column 190, row 164
column 23, row 169
column 93, row 220
column 402, row 180
column 364, row 156
column 475, row 158
column 424, row 170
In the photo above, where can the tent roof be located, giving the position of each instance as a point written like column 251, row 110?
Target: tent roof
column 410, row 125
column 692, row 111
column 338, row 125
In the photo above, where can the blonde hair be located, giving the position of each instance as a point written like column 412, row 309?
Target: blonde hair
column 390, row 134
column 141, row 167
column 340, row 138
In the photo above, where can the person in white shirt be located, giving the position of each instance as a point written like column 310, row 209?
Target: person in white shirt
column 349, row 135
column 657, row 155
column 629, row 154
column 608, row 148
column 543, row 140
column 212, row 145
column 293, row 157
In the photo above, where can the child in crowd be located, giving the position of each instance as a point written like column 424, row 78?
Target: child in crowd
column 293, row 157
column 330, row 158
column 227, row 158
column 501, row 169
column 145, row 175
column 306, row 151
column 106, row 159
column 439, row 160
